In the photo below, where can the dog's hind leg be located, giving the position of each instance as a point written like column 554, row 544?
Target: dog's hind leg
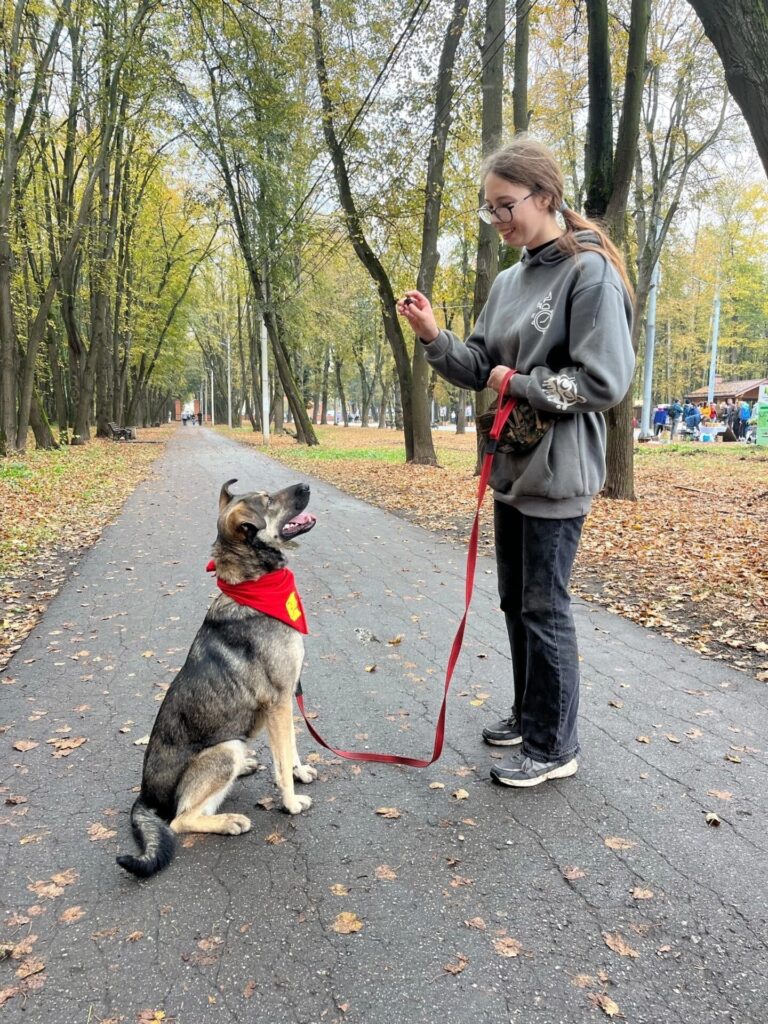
column 204, row 786
column 283, row 745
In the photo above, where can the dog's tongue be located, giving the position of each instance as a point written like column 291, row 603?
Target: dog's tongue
column 299, row 524
column 302, row 520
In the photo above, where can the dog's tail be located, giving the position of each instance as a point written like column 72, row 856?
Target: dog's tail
column 156, row 840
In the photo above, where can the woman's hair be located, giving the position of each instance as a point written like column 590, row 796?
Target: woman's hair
column 529, row 163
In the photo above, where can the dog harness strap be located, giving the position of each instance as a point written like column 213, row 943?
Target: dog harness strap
column 502, row 413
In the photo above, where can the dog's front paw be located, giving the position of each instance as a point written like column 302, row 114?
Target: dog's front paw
column 298, row 804
column 236, row 824
column 304, row 773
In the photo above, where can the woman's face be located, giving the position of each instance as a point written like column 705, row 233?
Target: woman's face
column 531, row 221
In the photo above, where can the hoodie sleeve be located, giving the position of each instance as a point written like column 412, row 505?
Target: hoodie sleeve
column 464, row 364
column 601, row 352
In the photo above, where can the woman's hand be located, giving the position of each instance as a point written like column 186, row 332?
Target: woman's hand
column 496, row 378
column 416, row 309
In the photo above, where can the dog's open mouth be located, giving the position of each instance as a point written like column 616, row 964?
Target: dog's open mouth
column 299, row 524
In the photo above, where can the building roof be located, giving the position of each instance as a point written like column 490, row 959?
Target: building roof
column 728, row 388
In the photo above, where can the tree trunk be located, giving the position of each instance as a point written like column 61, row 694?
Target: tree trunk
column 340, row 391
column 492, row 79
column 598, row 169
column 423, row 444
column 520, row 113
column 363, row 250
column 739, row 32
column 608, row 179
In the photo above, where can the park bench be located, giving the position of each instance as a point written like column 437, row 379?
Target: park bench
column 121, row 433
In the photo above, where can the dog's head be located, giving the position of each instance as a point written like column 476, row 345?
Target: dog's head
column 254, row 529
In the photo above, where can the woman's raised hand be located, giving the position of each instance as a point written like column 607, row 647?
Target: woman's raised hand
column 417, row 310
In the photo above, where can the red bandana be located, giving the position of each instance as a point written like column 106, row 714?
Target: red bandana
column 274, row 594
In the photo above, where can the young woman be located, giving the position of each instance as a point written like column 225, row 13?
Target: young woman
column 561, row 318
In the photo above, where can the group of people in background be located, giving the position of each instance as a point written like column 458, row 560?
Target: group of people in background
column 732, row 414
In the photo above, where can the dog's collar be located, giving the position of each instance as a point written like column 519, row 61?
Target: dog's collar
column 273, row 594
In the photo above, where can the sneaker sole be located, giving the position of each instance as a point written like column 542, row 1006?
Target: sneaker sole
column 563, row 771
column 503, row 743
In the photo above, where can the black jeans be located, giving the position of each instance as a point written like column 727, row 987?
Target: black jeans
column 534, row 558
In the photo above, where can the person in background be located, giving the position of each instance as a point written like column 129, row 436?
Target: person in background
column 675, row 413
column 659, row 420
column 561, row 320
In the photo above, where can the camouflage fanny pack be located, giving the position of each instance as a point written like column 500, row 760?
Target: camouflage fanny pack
column 524, row 428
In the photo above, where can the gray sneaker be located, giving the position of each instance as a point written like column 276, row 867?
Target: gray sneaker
column 527, row 772
column 505, row 733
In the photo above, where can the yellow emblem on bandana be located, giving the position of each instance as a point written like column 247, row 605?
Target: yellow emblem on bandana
column 292, row 607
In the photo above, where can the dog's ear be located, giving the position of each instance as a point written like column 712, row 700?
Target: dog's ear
column 226, row 495
column 244, row 520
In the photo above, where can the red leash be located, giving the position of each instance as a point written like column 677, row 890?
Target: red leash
column 505, row 408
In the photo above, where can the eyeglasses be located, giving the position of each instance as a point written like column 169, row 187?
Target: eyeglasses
column 502, row 212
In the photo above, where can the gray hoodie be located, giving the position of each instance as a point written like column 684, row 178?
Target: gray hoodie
column 564, row 323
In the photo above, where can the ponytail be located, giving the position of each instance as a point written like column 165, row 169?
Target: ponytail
column 570, row 244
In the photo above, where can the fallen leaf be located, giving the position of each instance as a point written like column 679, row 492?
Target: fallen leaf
column 721, row 794
column 476, row 922
column 98, row 831
column 643, row 739
column 713, row 819
column 370, row 668
column 508, row 947
column 274, row 839
column 432, row 785
column 573, row 873
column 615, row 703
column 642, row 894
column 395, row 640
column 15, row 800
column 605, row 1003
column 458, row 880
column 387, row 812
column 267, row 802
column 617, row 843
column 385, row 873
column 71, row 914
column 458, row 967
column 346, row 923
column 617, row 942
column 693, row 734
column 583, row 980
column 339, row 890
column 46, row 890
column 671, row 737
column 64, row 747
column 142, row 741
column 733, row 757
column 460, row 794
column 67, row 878
column 250, row 988
column 30, row 967
column 25, row 745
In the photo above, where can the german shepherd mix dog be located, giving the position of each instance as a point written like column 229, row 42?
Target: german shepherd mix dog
column 239, row 677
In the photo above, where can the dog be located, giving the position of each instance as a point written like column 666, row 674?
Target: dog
column 239, row 677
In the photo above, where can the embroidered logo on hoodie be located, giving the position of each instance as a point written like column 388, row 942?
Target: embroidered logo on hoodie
column 561, row 391
column 543, row 315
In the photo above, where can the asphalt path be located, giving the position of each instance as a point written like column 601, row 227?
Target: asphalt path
column 602, row 894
